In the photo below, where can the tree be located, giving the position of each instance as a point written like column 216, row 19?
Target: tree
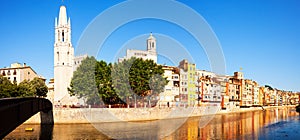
column 35, row 87
column 138, row 78
column 105, row 85
column 119, row 83
column 269, row 87
column 39, row 87
column 83, row 84
column 26, row 89
column 120, row 79
column 5, row 87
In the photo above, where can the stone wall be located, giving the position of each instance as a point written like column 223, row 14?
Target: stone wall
column 97, row 115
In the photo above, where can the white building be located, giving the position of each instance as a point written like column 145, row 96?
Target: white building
column 150, row 53
column 183, row 86
column 63, row 59
column 171, row 90
column 203, row 73
column 77, row 61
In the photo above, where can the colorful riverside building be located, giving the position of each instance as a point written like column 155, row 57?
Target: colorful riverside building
column 187, row 81
column 209, row 87
column 233, row 88
column 171, row 90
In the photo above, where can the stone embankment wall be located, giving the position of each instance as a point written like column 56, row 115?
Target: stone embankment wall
column 98, row 115
column 95, row 115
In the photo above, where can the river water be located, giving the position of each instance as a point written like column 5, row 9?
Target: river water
column 245, row 125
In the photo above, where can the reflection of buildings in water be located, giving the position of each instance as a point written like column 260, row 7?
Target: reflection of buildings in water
column 247, row 125
column 231, row 126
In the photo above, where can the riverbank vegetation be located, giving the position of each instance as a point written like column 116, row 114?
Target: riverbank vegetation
column 129, row 82
column 26, row 88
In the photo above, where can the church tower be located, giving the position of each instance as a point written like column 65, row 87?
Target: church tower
column 63, row 58
column 151, row 44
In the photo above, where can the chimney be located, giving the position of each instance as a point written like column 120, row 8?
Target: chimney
column 24, row 65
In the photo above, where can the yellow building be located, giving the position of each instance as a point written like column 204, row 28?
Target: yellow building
column 187, row 80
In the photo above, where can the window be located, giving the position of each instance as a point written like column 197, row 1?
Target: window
column 28, row 73
column 57, row 56
column 15, row 79
column 15, row 72
column 8, row 73
column 58, row 35
column 3, row 73
column 63, row 36
column 63, row 63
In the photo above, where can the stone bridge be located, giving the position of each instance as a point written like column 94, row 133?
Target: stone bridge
column 15, row 111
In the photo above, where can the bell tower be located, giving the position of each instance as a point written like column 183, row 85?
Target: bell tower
column 63, row 58
column 151, row 44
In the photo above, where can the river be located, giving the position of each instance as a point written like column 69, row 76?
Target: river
column 244, row 125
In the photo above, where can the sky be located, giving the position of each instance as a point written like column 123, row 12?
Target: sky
column 260, row 36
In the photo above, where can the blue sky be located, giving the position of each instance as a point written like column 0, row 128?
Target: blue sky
column 261, row 36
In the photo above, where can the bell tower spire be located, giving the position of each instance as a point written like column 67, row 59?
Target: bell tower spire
column 151, row 44
column 63, row 57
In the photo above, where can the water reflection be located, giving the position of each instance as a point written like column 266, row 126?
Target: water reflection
column 247, row 125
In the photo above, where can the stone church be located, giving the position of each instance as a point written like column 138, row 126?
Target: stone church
column 64, row 61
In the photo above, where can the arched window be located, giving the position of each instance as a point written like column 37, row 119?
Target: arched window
column 57, row 56
column 63, row 36
column 15, row 72
column 152, row 44
column 58, row 35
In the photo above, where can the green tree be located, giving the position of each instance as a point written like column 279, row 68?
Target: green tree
column 269, row 87
column 39, row 87
column 26, row 89
column 138, row 78
column 35, row 87
column 118, row 83
column 5, row 87
column 105, row 85
column 120, row 78
column 83, row 84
